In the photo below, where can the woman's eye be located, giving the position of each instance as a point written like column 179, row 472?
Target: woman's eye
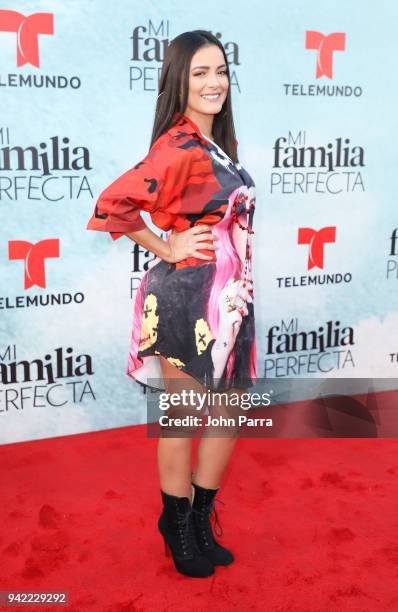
column 202, row 73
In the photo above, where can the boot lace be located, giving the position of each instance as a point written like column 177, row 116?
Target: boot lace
column 206, row 511
column 185, row 530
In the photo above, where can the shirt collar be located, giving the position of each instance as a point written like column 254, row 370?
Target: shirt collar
column 185, row 124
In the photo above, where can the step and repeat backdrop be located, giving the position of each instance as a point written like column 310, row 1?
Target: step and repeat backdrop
column 314, row 95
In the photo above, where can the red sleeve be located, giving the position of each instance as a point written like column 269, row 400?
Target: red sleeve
column 118, row 207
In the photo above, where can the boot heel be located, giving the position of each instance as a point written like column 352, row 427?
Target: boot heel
column 166, row 548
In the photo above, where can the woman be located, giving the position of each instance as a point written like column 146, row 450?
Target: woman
column 193, row 321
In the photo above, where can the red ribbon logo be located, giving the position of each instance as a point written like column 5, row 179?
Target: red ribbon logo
column 27, row 30
column 316, row 241
column 34, row 256
column 325, row 45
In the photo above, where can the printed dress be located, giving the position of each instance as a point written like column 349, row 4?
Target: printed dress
column 180, row 308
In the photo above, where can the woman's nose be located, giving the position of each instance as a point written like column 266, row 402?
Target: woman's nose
column 213, row 81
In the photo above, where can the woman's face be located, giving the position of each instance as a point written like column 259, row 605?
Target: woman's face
column 208, row 81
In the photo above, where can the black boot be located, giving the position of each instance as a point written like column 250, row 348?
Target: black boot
column 202, row 507
column 176, row 526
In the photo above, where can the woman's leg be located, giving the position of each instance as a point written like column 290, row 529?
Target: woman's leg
column 175, row 454
column 174, row 462
column 213, row 457
column 215, row 452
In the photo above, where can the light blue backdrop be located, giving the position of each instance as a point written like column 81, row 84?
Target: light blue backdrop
column 110, row 115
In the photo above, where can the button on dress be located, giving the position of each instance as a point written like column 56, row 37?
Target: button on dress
column 182, row 310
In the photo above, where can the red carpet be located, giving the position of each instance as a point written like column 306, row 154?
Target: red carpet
column 312, row 523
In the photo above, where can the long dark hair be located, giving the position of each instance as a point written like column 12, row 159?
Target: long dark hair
column 175, row 74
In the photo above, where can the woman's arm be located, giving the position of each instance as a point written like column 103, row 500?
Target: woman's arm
column 152, row 242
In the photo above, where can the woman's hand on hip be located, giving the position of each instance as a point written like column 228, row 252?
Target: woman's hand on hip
column 186, row 244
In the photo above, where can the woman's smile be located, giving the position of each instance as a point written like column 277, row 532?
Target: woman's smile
column 211, row 97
